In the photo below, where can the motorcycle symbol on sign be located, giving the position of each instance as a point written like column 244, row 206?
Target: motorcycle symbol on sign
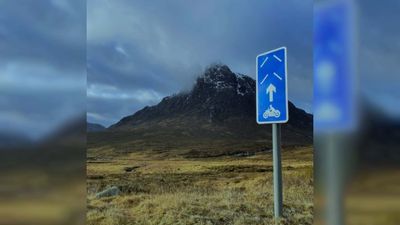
column 271, row 112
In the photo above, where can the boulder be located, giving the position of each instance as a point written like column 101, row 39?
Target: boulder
column 111, row 191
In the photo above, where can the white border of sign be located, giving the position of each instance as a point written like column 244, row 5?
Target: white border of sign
column 286, row 87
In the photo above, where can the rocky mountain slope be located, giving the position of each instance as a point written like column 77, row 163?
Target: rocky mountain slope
column 94, row 127
column 220, row 104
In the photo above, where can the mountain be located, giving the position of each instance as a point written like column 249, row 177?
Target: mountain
column 380, row 136
column 221, row 104
column 10, row 140
column 94, row 127
column 70, row 134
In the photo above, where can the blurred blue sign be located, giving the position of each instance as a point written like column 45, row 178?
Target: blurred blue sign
column 333, row 67
column 271, row 88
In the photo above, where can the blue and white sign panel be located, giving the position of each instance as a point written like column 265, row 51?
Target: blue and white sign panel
column 334, row 74
column 271, row 88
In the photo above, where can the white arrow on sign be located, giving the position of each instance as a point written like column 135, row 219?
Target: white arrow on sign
column 270, row 91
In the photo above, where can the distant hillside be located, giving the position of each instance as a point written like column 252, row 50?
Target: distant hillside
column 94, row 127
column 14, row 141
column 221, row 104
column 380, row 137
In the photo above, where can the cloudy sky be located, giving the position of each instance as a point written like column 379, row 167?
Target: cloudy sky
column 59, row 57
column 42, row 65
column 139, row 52
column 378, row 53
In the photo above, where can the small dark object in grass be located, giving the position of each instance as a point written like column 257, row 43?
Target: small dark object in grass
column 130, row 169
column 95, row 177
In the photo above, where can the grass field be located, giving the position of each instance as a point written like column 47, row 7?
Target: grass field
column 160, row 188
column 37, row 199
column 373, row 197
column 42, row 186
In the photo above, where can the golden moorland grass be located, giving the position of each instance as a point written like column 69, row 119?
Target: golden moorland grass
column 37, row 196
column 217, row 190
column 373, row 197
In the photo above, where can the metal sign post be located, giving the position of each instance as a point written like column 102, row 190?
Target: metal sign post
column 276, row 154
column 335, row 105
column 272, row 108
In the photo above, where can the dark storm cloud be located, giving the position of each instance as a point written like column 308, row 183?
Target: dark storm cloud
column 108, row 66
column 160, row 47
column 49, row 32
column 379, row 48
column 42, row 64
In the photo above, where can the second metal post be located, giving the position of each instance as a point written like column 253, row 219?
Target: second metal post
column 276, row 152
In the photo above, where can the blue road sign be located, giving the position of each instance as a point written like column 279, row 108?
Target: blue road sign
column 334, row 75
column 271, row 88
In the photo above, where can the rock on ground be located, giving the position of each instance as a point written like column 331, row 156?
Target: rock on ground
column 112, row 191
